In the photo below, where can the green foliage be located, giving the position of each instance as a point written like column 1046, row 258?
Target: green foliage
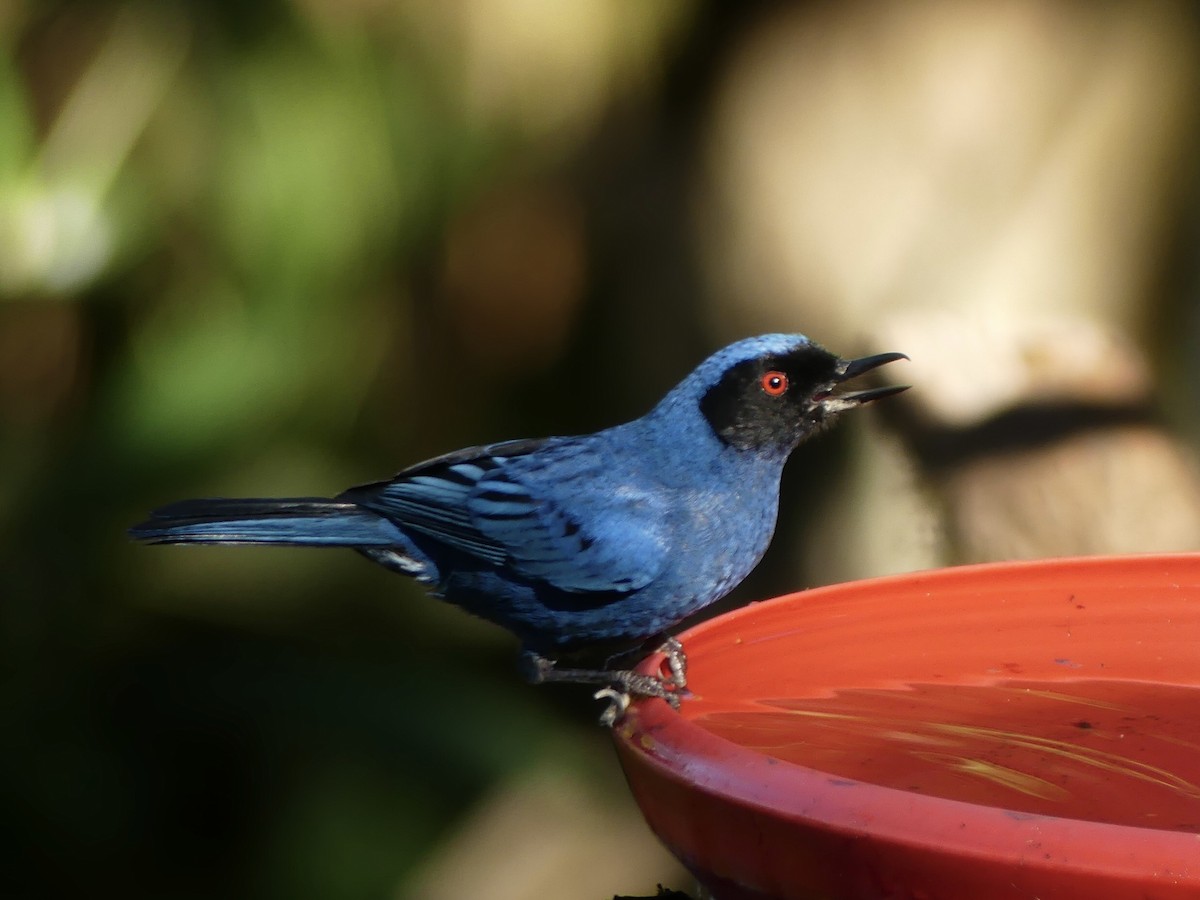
column 221, row 241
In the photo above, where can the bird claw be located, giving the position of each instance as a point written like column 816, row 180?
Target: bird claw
column 626, row 685
column 676, row 661
column 618, row 702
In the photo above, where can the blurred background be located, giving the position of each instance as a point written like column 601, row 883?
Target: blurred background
column 289, row 246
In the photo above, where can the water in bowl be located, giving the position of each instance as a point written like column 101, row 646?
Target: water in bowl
column 1122, row 752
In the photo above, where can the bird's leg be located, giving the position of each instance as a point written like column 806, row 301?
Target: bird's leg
column 619, row 685
column 541, row 670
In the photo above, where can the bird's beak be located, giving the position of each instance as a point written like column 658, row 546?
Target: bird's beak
column 853, row 368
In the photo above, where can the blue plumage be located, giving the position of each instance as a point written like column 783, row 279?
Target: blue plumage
column 570, row 542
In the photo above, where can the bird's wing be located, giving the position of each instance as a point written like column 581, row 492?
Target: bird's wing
column 540, row 507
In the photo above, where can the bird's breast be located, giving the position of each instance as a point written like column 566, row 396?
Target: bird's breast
column 726, row 530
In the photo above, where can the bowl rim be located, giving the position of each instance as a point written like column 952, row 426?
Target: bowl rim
column 674, row 748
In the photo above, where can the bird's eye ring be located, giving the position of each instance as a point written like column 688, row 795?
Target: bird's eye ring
column 775, row 384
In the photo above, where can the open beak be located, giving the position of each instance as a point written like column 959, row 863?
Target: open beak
column 853, row 368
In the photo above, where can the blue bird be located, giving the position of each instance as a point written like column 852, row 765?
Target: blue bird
column 579, row 545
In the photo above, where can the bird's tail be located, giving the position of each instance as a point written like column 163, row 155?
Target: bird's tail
column 300, row 521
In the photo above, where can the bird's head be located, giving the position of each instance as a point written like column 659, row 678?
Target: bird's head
column 771, row 392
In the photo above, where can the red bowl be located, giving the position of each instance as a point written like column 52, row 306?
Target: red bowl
column 999, row 731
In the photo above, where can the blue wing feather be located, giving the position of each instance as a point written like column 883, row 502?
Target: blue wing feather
column 499, row 505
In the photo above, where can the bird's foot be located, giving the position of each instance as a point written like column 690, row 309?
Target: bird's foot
column 627, row 684
column 676, row 661
column 619, row 686
column 618, row 702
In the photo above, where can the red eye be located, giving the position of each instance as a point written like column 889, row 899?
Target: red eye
column 774, row 383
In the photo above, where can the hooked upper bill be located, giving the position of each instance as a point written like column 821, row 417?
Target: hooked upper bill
column 853, row 368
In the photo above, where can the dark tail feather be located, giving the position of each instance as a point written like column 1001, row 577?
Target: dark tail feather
column 301, row 521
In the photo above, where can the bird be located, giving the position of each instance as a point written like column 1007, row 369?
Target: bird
column 581, row 544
